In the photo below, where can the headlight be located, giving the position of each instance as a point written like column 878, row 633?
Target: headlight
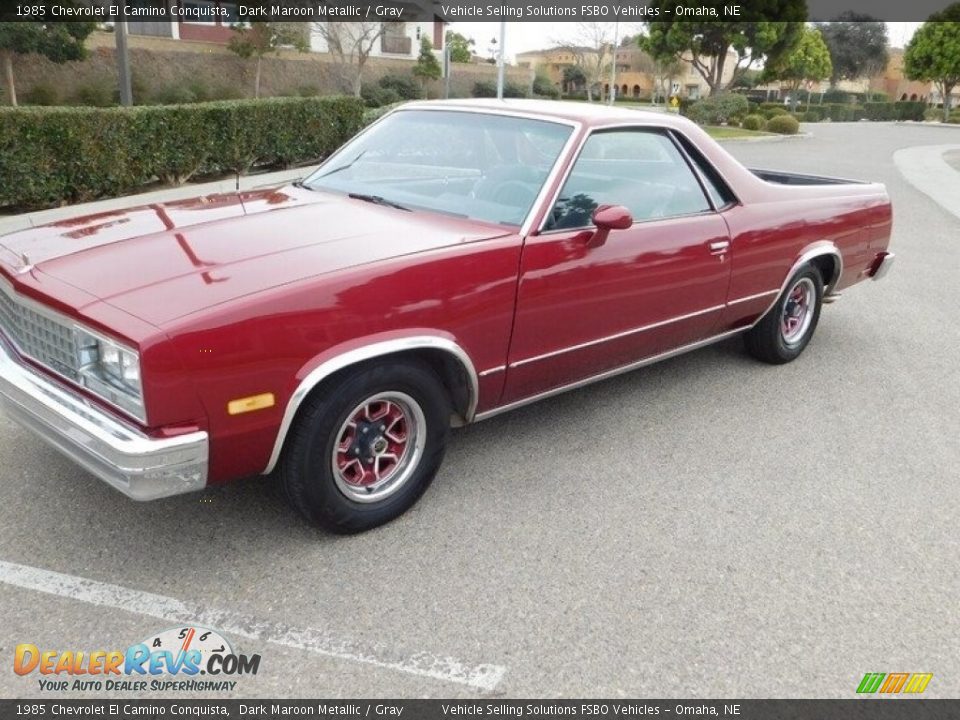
column 111, row 371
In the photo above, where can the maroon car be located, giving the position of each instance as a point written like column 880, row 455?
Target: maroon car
column 453, row 261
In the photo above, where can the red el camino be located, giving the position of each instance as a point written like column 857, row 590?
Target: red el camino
column 453, row 261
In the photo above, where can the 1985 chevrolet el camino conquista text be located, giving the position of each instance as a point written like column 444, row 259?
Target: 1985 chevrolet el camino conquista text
column 454, row 260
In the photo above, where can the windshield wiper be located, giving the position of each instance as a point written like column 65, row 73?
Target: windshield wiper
column 377, row 200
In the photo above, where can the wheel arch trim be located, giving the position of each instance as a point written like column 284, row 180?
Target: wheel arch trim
column 334, row 360
column 821, row 248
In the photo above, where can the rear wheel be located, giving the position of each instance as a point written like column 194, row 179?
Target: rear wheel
column 365, row 449
column 783, row 333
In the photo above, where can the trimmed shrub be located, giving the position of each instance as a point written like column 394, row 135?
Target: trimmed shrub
column 41, row 94
column 484, row 89
column 375, row 96
column 783, row 125
column 543, row 86
column 811, row 116
column 753, row 122
column 405, row 86
column 95, row 93
column 718, row 109
column 954, row 117
column 52, row 156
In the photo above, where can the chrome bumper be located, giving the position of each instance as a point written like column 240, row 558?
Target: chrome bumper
column 882, row 265
column 142, row 467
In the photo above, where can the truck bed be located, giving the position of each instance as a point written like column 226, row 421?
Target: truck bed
column 785, row 178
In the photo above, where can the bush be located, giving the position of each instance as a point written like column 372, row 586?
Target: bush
column 405, row 86
column 484, row 89
column 173, row 95
column 95, row 93
column 543, row 86
column 51, row 156
column 811, row 116
column 718, row 109
column 41, row 94
column 783, row 125
column 375, row 96
column 954, row 117
column 753, row 122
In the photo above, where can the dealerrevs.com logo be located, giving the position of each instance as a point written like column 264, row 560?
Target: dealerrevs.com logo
column 170, row 661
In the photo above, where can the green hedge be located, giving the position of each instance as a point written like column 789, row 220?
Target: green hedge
column 782, row 124
column 55, row 155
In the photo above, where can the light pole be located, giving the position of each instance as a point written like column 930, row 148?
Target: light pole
column 613, row 65
column 123, row 57
column 503, row 59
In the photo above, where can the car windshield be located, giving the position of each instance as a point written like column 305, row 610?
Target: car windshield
column 480, row 166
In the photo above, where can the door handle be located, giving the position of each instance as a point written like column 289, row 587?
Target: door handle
column 719, row 247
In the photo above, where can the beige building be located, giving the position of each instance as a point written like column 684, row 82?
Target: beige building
column 638, row 76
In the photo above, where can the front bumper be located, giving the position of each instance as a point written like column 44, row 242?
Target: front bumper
column 142, row 467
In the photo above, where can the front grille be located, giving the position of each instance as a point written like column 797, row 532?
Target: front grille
column 37, row 334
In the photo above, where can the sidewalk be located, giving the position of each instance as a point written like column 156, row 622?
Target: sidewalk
column 926, row 168
column 12, row 223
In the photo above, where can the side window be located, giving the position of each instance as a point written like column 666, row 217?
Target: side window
column 720, row 193
column 639, row 169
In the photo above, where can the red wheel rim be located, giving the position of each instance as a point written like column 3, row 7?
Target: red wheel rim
column 378, row 446
column 798, row 309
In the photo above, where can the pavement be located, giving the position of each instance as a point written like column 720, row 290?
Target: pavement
column 706, row 527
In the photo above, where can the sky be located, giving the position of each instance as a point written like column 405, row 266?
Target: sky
column 524, row 36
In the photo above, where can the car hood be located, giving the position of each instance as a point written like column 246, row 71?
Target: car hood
column 163, row 261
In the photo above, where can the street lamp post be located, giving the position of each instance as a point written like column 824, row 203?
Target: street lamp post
column 503, row 60
column 613, row 65
column 123, row 58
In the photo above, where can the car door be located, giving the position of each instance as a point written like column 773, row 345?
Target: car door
column 657, row 285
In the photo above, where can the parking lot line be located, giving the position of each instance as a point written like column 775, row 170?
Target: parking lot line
column 446, row 669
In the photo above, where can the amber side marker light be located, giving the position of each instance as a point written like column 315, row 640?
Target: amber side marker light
column 249, row 404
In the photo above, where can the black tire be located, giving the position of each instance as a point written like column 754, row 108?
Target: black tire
column 306, row 473
column 767, row 341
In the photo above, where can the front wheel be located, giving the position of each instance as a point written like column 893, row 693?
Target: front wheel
column 364, row 450
column 783, row 333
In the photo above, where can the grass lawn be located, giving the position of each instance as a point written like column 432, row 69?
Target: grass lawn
column 724, row 133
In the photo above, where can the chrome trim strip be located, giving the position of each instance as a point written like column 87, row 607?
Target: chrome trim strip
column 617, row 336
column 368, row 352
column 492, row 371
column 818, row 249
column 756, row 296
column 608, row 374
column 141, row 467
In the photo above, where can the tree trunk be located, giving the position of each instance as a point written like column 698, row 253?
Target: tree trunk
column 358, row 82
column 256, row 79
column 947, row 89
column 8, row 72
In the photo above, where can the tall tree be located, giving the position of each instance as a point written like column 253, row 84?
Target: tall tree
column 591, row 44
column 56, row 41
column 349, row 45
column 427, row 67
column 573, row 78
column 461, row 47
column 858, row 46
column 809, row 60
column 764, row 36
column 258, row 38
column 933, row 53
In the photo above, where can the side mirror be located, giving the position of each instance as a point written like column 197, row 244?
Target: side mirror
column 607, row 218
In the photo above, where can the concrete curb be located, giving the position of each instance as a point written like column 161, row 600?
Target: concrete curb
column 12, row 223
column 925, row 169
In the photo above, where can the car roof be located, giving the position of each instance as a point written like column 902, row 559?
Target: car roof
column 591, row 114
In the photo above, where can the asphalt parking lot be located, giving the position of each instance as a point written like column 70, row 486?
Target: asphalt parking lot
column 706, row 527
